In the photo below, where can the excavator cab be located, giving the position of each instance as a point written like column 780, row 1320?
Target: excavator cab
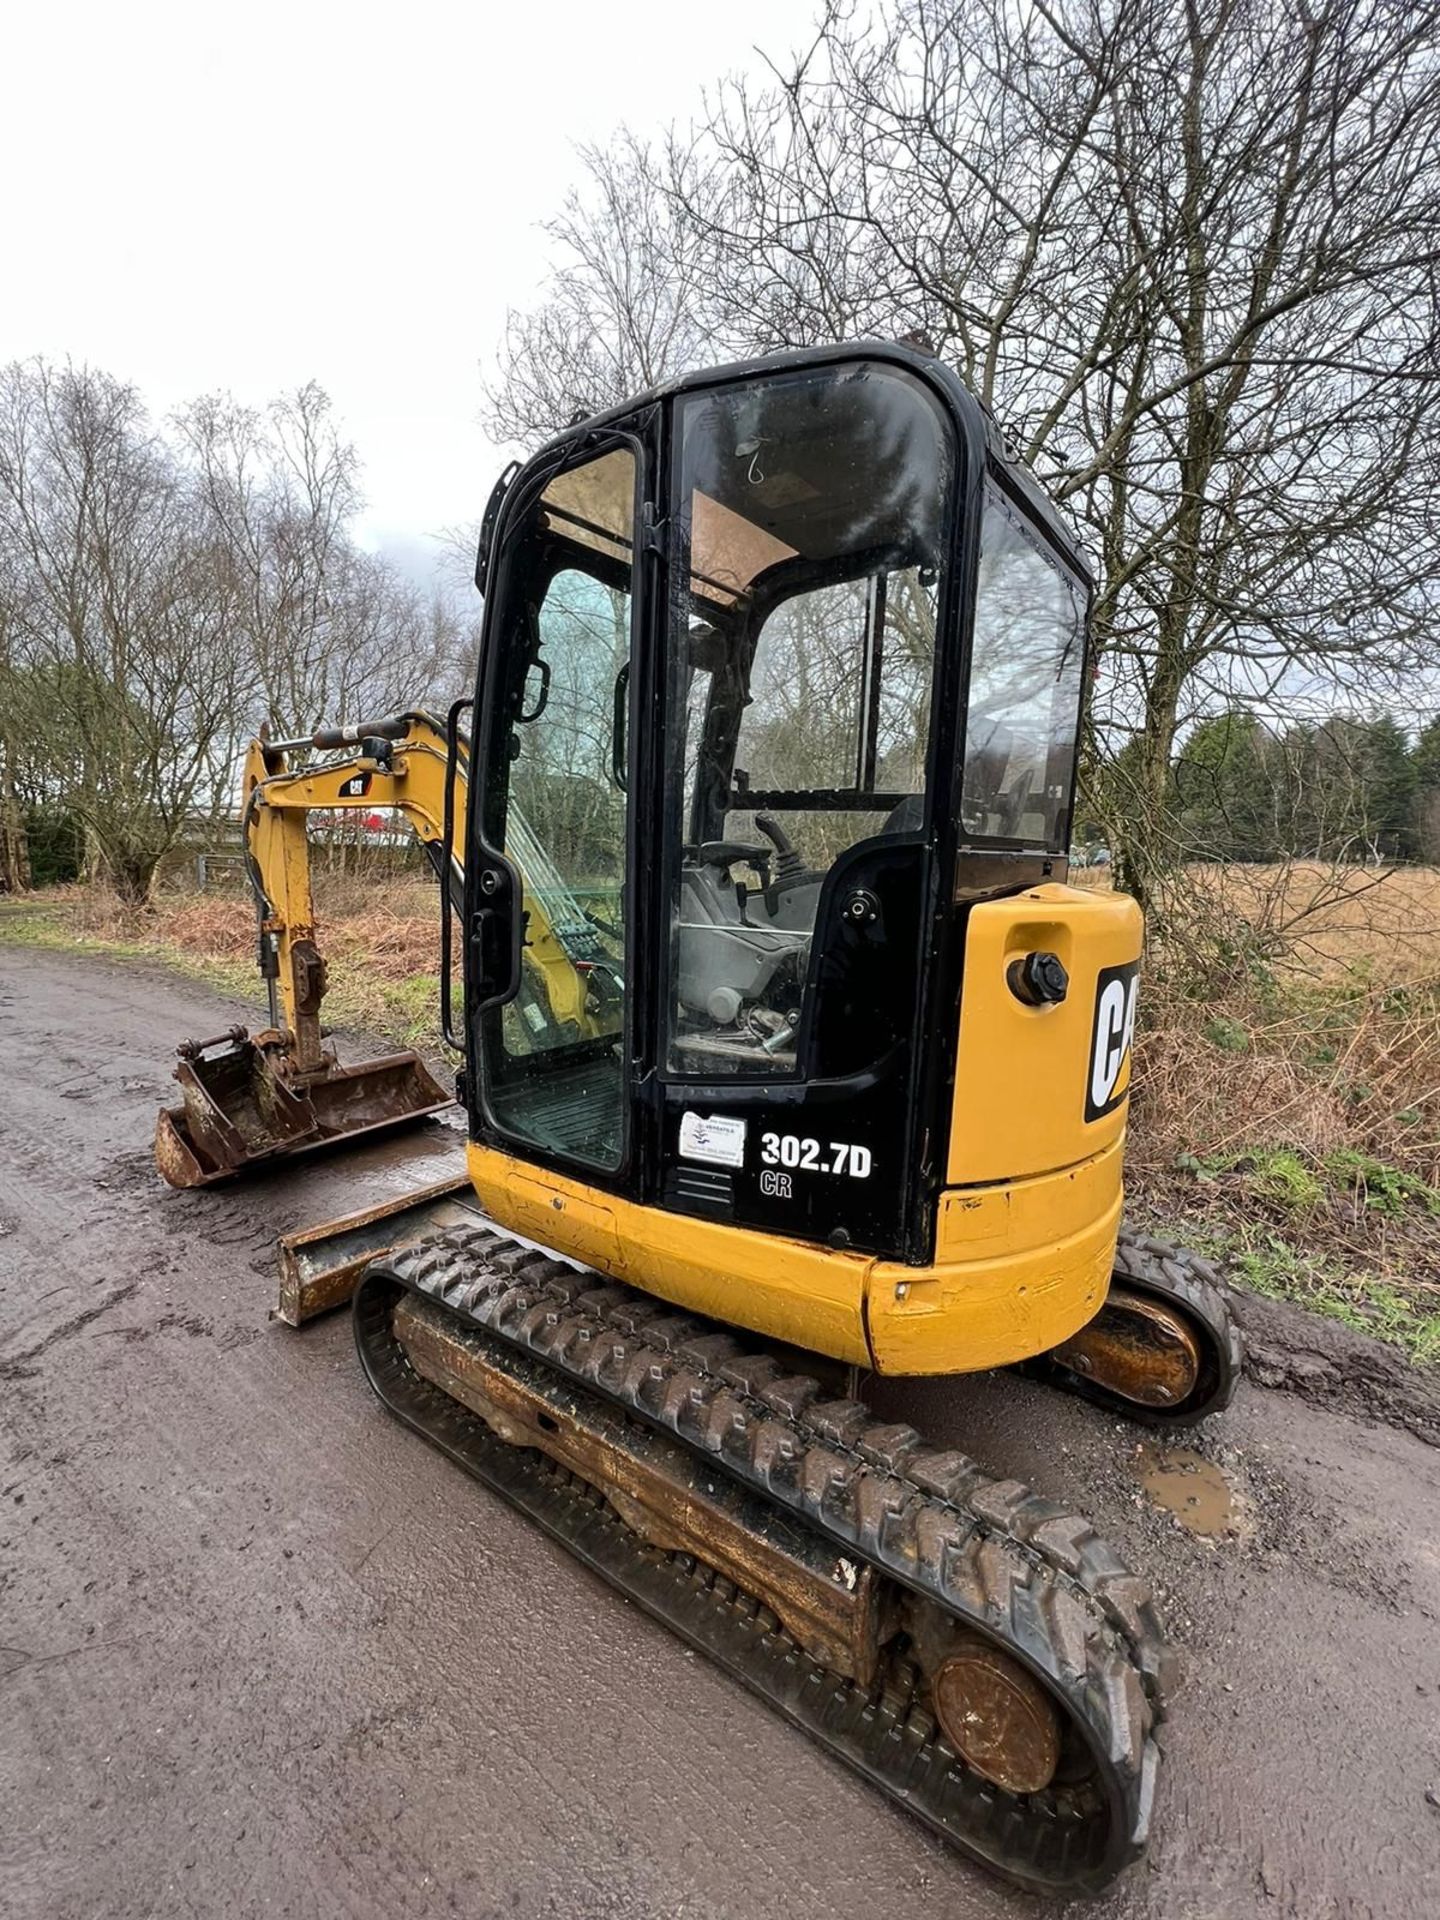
column 781, row 694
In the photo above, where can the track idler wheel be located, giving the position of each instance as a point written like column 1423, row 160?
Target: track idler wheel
column 1139, row 1348
column 1164, row 1349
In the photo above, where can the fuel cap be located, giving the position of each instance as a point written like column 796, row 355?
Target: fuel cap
column 1039, row 979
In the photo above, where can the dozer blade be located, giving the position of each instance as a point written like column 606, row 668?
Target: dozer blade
column 320, row 1265
column 238, row 1112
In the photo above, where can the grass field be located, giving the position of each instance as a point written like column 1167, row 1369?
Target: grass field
column 1287, row 1106
column 1287, row 1109
column 381, row 940
column 1310, row 920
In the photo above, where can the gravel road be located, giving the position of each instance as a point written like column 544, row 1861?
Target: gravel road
column 264, row 1653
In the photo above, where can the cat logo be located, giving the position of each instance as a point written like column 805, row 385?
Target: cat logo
column 1109, row 1079
column 356, row 787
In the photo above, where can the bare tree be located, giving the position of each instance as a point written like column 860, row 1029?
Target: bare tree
column 279, row 489
column 127, row 684
column 625, row 307
column 15, row 871
column 1185, row 252
column 333, row 632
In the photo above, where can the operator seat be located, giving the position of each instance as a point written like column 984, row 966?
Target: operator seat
column 724, row 958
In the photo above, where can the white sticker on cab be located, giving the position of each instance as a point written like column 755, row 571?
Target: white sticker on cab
column 715, row 1137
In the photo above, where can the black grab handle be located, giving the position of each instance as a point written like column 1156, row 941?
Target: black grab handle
column 452, row 885
column 617, row 728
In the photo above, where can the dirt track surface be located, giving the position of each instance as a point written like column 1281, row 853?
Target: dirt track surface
column 263, row 1652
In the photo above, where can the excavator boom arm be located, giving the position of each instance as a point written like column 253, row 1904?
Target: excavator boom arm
column 406, row 776
column 250, row 1100
column 404, row 772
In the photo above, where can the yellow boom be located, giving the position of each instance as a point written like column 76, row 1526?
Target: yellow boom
column 252, row 1098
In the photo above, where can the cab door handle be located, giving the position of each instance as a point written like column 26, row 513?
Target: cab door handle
column 496, row 928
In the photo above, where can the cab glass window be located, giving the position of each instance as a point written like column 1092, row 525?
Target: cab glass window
column 811, row 528
column 1026, row 667
column 556, row 803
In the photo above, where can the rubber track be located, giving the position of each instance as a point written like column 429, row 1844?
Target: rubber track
column 1176, row 1278
column 993, row 1555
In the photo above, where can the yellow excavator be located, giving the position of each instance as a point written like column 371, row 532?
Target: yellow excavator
column 788, row 1055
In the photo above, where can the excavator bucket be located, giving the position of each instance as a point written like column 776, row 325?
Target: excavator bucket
column 237, row 1111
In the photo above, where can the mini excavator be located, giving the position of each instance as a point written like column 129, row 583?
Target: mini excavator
column 787, row 1053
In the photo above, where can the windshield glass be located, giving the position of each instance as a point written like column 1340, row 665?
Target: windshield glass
column 811, row 528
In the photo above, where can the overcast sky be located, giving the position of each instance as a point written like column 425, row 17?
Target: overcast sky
column 201, row 197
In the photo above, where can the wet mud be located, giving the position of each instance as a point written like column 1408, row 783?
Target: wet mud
column 262, row 1652
column 1330, row 1364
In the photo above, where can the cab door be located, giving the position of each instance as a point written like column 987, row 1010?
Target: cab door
column 548, row 888
column 811, row 547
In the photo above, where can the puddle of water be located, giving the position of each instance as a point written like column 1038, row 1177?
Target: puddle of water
column 1184, row 1483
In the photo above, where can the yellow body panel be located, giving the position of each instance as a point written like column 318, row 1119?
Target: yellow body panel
column 1025, row 1234
column 1021, row 1267
column 783, row 1289
column 1021, row 1072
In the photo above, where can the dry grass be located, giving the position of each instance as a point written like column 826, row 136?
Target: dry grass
column 390, row 929
column 1327, row 923
column 1322, row 921
column 381, row 938
column 1319, row 1024
column 1288, row 1086
column 221, row 925
column 1357, row 1069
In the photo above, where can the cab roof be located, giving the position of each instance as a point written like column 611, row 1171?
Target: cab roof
column 975, row 425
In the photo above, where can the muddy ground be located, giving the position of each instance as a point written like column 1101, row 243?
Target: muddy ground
column 264, row 1653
